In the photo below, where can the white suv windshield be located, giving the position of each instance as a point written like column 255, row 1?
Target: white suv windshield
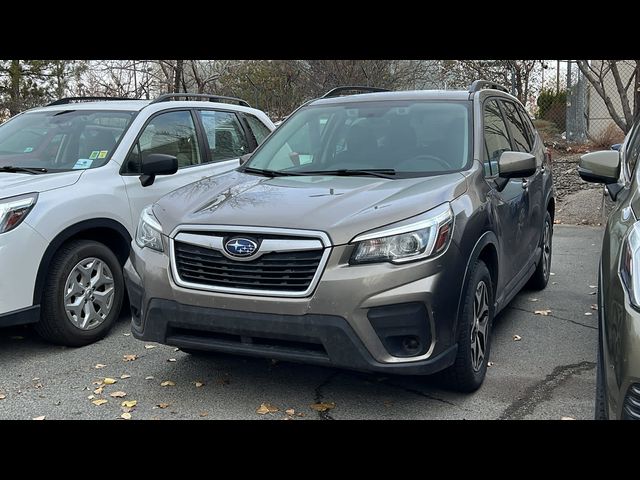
column 409, row 138
column 62, row 140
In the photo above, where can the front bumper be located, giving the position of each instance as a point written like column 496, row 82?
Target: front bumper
column 343, row 323
column 21, row 250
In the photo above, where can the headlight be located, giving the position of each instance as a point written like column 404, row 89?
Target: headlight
column 630, row 264
column 149, row 232
column 14, row 210
column 407, row 242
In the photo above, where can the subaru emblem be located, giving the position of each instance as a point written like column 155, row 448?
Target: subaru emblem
column 241, row 247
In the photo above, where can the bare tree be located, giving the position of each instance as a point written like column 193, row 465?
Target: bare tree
column 602, row 74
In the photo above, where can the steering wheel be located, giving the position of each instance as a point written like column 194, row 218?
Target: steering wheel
column 425, row 156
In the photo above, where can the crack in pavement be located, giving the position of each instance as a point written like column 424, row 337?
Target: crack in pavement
column 319, row 395
column 554, row 316
column 541, row 391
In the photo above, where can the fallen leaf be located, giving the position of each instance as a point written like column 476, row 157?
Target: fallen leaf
column 323, row 406
column 149, row 347
column 167, row 383
column 38, row 385
column 2, row 396
column 109, row 381
column 551, row 273
column 127, row 409
column 126, row 334
column 171, row 360
column 98, row 390
column 129, row 403
column 588, row 314
column 533, row 299
column 117, row 394
column 129, row 358
column 594, row 306
column 91, row 397
column 567, row 418
column 517, row 338
column 150, row 377
column 542, row 312
column 203, row 414
column 124, row 376
column 126, row 416
column 489, row 364
column 265, row 408
column 100, row 365
column 554, row 283
column 39, row 418
column 593, row 286
column 388, row 403
column 163, row 405
column 99, row 402
column 299, row 414
column 176, row 349
column 198, row 384
column 290, row 411
column 592, row 293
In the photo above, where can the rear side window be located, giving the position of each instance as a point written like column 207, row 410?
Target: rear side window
column 496, row 137
column 631, row 156
column 519, row 134
column 259, row 129
column 225, row 137
column 528, row 125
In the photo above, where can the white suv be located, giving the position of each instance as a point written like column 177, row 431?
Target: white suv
column 74, row 178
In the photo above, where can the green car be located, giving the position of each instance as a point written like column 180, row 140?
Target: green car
column 618, row 364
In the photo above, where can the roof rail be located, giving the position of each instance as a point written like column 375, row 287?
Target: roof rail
column 339, row 91
column 480, row 84
column 67, row 100
column 203, row 96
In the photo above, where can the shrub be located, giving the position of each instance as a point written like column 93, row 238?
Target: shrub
column 552, row 106
column 607, row 137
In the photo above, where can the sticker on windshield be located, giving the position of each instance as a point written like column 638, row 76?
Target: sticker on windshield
column 103, row 153
column 28, row 149
column 94, row 154
column 83, row 163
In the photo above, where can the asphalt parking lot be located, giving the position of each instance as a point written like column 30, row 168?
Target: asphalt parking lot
column 543, row 368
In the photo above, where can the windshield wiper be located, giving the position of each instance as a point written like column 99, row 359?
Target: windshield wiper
column 346, row 172
column 271, row 173
column 33, row 171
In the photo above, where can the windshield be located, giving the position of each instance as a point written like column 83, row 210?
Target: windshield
column 405, row 138
column 62, row 140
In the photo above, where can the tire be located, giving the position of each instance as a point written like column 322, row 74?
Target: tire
column 95, row 309
column 468, row 370
column 540, row 277
column 601, row 408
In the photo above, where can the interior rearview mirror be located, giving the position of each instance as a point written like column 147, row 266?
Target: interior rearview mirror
column 602, row 167
column 516, row 165
column 157, row 164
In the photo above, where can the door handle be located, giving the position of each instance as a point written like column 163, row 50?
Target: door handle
column 525, row 184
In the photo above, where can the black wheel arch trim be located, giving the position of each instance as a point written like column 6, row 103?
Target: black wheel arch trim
column 65, row 235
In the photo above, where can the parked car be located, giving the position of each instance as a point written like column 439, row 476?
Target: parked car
column 618, row 355
column 72, row 186
column 377, row 231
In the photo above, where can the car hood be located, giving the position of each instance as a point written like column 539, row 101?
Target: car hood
column 12, row 184
column 343, row 207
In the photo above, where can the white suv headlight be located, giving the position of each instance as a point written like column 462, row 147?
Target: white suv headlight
column 149, row 232
column 14, row 210
column 630, row 264
column 407, row 242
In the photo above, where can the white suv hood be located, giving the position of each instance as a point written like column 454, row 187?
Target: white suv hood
column 12, row 184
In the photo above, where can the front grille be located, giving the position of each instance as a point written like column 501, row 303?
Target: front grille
column 278, row 272
column 631, row 409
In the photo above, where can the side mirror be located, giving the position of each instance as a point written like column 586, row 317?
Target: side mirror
column 616, row 146
column 157, row 164
column 602, row 167
column 516, row 165
column 245, row 158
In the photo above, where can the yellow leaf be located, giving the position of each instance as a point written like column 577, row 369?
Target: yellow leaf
column 126, row 416
column 203, row 414
column 125, row 376
column 544, row 313
column 517, row 338
column 129, row 358
column 149, row 347
column 167, row 383
column 198, row 383
column 265, row 408
column 100, row 365
column 39, row 418
column 117, row 394
column 163, row 405
column 323, row 406
column 99, row 402
column 98, row 390
column 129, row 403
column 290, row 411
column 2, row 396
column 109, row 381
